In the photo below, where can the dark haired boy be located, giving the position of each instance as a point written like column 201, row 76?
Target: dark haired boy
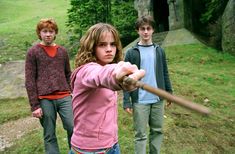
column 147, row 108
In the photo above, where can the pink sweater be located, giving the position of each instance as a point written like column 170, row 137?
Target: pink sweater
column 94, row 106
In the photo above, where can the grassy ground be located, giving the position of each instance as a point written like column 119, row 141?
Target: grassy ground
column 13, row 109
column 207, row 77
column 18, row 20
column 198, row 73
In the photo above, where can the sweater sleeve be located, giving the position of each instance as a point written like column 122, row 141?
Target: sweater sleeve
column 67, row 67
column 93, row 75
column 126, row 95
column 30, row 79
column 166, row 74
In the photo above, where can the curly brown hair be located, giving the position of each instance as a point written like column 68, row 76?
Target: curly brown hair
column 88, row 42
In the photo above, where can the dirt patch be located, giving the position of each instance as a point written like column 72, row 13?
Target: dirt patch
column 11, row 131
column 12, row 86
column 12, row 80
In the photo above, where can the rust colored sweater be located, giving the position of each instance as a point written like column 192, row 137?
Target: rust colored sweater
column 44, row 74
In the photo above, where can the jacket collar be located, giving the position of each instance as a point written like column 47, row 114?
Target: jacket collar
column 136, row 46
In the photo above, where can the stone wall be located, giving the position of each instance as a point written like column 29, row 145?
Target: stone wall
column 186, row 14
column 228, row 28
column 143, row 7
column 176, row 11
column 176, row 14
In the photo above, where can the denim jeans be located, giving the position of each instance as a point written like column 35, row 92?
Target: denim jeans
column 48, row 121
column 152, row 115
column 113, row 150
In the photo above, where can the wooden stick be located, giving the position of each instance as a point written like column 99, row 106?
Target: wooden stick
column 168, row 96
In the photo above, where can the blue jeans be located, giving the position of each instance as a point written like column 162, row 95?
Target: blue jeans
column 152, row 115
column 48, row 121
column 113, row 150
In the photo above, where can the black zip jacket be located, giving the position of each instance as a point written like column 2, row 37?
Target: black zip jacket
column 163, row 81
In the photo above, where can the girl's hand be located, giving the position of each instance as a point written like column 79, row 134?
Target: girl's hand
column 127, row 69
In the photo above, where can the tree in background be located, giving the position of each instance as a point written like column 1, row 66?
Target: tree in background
column 213, row 10
column 210, row 19
column 84, row 13
column 124, row 16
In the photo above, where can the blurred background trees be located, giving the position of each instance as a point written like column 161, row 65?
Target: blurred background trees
column 84, row 13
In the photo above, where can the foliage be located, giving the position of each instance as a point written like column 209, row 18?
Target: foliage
column 124, row 16
column 85, row 13
column 213, row 10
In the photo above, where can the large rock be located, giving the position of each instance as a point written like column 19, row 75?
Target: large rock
column 12, row 80
column 142, row 6
column 228, row 28
column 179, row 37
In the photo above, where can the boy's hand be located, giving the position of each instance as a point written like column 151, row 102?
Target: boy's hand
column 37, row 113
column 129, row 111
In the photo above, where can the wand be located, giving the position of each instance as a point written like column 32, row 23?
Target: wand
column 168, row 96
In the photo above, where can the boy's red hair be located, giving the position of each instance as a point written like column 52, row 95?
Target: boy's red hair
column 46, row 23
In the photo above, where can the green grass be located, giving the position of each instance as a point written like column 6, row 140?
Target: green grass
column 197, row 73
column 18, row 21
column 12, row 109
column 32, row 143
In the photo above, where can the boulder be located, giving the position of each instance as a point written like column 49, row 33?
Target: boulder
column 228, row 28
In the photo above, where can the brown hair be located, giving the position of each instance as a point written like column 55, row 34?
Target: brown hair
column 46, row 23
column 146, row 19
column 88, row 42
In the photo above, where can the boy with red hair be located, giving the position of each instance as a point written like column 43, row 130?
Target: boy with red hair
column 47, row 81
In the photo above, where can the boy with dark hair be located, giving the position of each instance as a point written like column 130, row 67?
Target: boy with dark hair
column 47, row 81
column 147, row 107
